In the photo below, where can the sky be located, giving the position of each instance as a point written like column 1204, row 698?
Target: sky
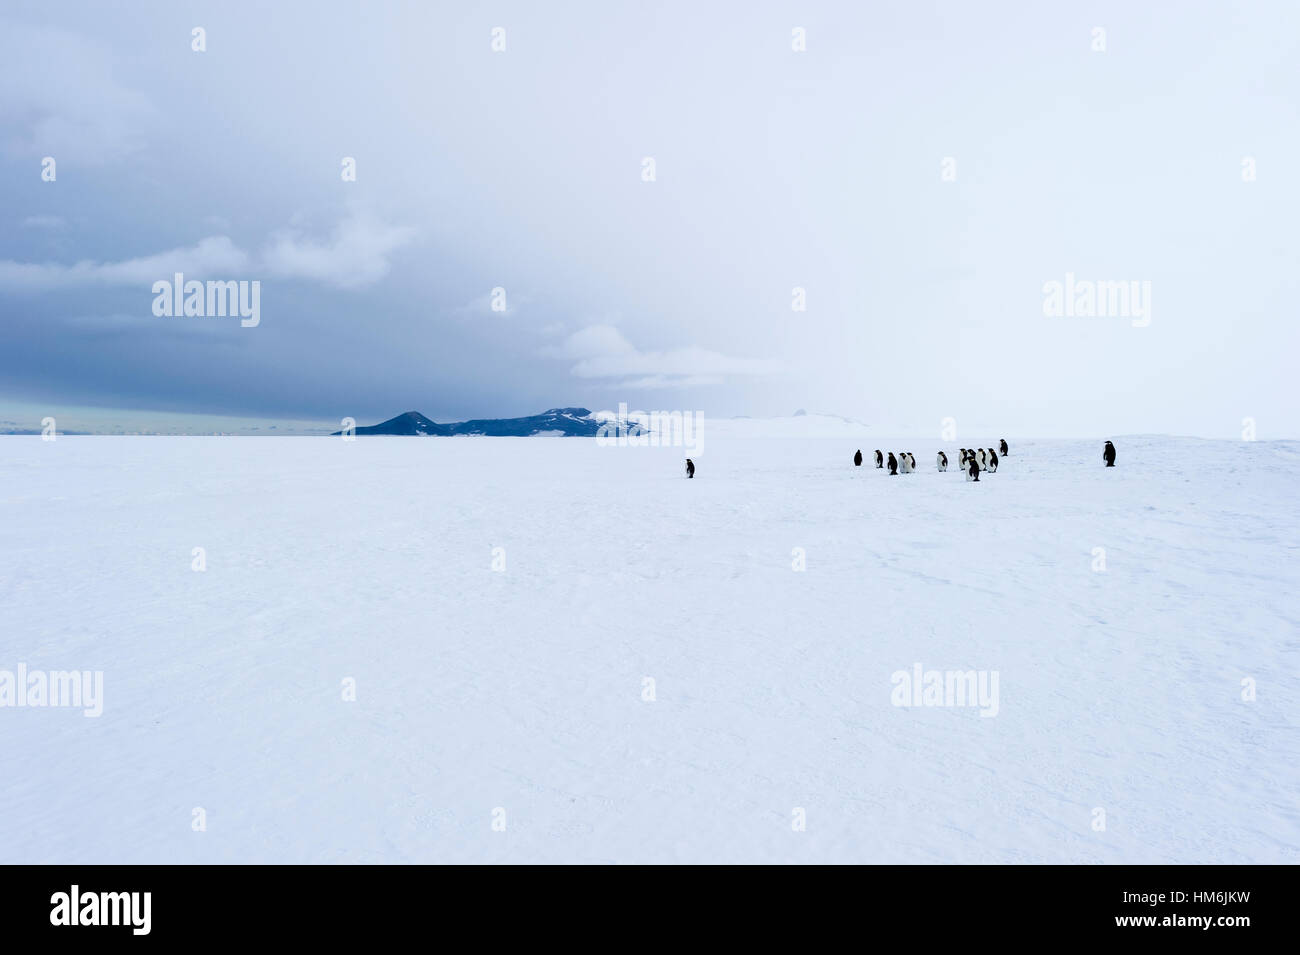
column 922, row 172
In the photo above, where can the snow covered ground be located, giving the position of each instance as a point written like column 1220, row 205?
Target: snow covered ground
column 518, row 694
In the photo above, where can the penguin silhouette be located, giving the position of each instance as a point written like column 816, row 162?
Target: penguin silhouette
column 1003, row 447
column 893, row 463
column 1109, row 454
column 857, row 459
column 690, row 468
column 880, row 460
column 973, row 470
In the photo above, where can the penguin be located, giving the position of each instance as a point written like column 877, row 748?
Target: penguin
column 973, row 470
column 880, row 460
column 962, row 459
column 911, row 458
column 857, row 459
column 1109, row 454
column 993, row 461
column 942, row 461
column 1003, row 447
column 983, row 458
column 893, row 463
column 690, row 468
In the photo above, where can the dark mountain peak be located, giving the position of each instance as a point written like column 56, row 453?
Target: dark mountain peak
column 407, row 423
column 566, row 422
column 414, row 417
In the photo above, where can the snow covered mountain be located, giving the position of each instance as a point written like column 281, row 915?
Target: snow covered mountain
column 555, row 422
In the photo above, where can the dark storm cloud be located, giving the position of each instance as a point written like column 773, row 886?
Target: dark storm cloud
column 780, row 175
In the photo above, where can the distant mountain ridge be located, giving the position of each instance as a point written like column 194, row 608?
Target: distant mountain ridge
column 558, row 422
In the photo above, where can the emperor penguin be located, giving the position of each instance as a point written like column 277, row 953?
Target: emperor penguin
column 857, row 459
column 942, row 461
column 972, row 470
column 1003, row 447
column 880, row 460
column 984, row 459
column 1109, row 454
column 893, row 463
column 690, row 468
column 993, row 461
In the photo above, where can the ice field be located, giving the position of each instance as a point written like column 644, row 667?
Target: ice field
column 501, row 605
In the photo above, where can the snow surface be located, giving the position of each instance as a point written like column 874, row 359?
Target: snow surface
column 523, row 688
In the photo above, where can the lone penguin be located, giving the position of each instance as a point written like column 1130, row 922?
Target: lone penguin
column 1109, row 454
column 880, row 460
column 690, row 468
column 942, row 461
column 1003, row 447
column 893, row 463
column 857, row 459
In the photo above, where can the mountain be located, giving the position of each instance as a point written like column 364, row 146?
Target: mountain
column 559, row 422
column 410, row 423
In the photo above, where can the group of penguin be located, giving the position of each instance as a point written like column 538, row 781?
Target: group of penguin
column 972, row 461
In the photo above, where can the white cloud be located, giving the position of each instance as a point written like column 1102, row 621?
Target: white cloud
column 653, row 382
column 601, row 351
column 43, row 222
column 216, row 256
column 356, row 255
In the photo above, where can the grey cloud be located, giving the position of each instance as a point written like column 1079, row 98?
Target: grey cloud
column 60, row 96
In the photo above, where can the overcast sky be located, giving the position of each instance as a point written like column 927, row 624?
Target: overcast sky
column 774, row 169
